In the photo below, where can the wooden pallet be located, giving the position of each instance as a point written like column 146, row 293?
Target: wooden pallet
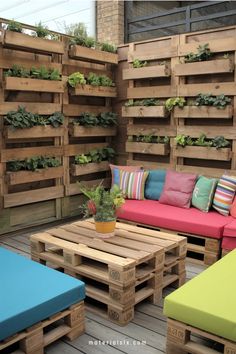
column 33, row 340
column 179, row 340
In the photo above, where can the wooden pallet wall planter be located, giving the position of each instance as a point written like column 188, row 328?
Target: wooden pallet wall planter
column 145, row 112
column 146, row 72
column 20, row 177
column 79, row 131
column 26, row 84
column 92, row 167
column 89, row 90
column 203, row 112
column 148, row 148
column 33, row 132
column 216, row 66
column 203, row 152
column 28, row 43
column 92, row 55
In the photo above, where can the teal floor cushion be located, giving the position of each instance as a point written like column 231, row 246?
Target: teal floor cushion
column 208, row 301
column 31, row 292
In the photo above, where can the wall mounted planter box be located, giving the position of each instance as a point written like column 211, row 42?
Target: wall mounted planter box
column 89, row 90
column 34, row 132
column 74, row 110
column 81, row 131
column 147, row 148
column 203, row 152
column 36, row 85
column 151, row 92
column 144, row 111
column 203, row 112
column 93, row 167
column 20, row 177
column 146, row 72
column 31, row 44
column 206, row 67
column 79, row 52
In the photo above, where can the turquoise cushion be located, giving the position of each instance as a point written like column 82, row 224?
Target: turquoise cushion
column 31, row 292
column 154, row 184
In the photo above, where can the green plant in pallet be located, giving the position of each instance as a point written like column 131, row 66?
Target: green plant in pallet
column 175, row 101
column 56, row 119
column 218, row 142
column 107, row 119
column 32, row 164
column 220, row 101
column 14, row 26
column 202, row 141
column 183, row 140
column 35, row 73
column 76, row 79
column 95, row 155
column 139, row 63
column 203, row 53
column 41, row 31
column 145, row 102
column 107, row 47
column 84, row 41
column 99, row 80
column 87, row 119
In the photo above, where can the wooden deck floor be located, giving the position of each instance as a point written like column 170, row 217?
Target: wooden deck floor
column 102, row 336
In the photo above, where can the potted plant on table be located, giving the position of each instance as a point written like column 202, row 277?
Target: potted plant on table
column 103, row 206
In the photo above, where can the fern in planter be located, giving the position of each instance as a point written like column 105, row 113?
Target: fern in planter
column 32, row 164
column 84, row 41
column 14, row 26
column 220, row 101
column 107, row 47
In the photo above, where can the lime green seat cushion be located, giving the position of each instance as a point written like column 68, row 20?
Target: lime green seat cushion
column 208, row 302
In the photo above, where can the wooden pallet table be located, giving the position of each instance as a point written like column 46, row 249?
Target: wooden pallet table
column 119, row 272
column 37, row 337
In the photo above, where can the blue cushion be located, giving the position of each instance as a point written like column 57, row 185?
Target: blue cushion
column 154, row 184
column 31, row 292
column 116, row 176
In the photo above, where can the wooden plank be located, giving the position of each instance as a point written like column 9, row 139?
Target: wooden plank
column 216, row 66
column 33, row 196
column 33, row 85
column 209, row 131
column 26, row 42
column 219, row 88
column 74, row 110
column 34, row 132
column 162, row 53
column 149, row 165
column 74, row 189
column 142, row 129
column 143, row 111
column 89, row 90
column 82, row 131
column 146, row 72
column 93, row 167
column 24, row 153
column 216, row 46
column 10, row 59
column 147, row 148
column 20, row 177
column 206, row 171
column 36, row 108
column 75, row 149
column 151, row 92
column 92, row 55
column 203, row 112
column 203, row 152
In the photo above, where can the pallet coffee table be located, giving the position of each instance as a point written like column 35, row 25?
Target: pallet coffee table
column 119, row 272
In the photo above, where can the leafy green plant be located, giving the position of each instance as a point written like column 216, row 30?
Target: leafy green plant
column 107, row 47
column 145, row 102
column 203, row 54
column 220, row 101
column 202, row 141
column 183, row 140
column 87, row 119
column 102, row 204
column 218, row 142
column 41, row 73
column 152, row 139
column 33, row 164
column 76, row 79
column 14, row 26
column 95, row 155
column 82, row 159
column 88, row 42
column 139, row 63
column 41, row 31
column 99, row 80
column 174, row 101
column 17, row 71
column 107, row 119
column 56, row 119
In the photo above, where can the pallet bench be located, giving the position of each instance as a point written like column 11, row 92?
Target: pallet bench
column 197, row 320
column 119, row 272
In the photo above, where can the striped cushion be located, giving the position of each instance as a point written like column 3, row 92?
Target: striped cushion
column 224, row 194
column 133, row 183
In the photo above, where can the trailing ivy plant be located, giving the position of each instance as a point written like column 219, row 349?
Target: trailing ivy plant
column 220, row 101
column 203, row 53
column 14, row 26
column 174, row 101
column 145, row 102
column 218, row 142
column 21, row 119
column 32, row 164
column 139, row 63
column 95, row 155
column 41, row 73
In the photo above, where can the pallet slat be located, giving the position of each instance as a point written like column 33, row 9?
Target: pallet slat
column 203, row 112
column 35, row 85
column 202, row 68
column 89, row 90
column 203, row 152
column 147, row 148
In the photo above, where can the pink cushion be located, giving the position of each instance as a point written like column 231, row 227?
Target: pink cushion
column 178, row 189
column 230, row 229
column 233, row 208
column 228, row 243
column 193, row 221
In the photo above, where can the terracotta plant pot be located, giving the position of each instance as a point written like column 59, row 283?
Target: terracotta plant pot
column 105, row 229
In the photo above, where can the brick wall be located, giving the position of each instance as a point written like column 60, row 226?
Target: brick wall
column 110, row 21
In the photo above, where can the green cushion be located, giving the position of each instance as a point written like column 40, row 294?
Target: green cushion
column 154, row 184
column 208, row 301
column 203, row 193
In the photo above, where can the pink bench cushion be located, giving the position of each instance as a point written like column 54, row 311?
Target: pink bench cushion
column 193, row 221
column 230, row 229
column 228, row 243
